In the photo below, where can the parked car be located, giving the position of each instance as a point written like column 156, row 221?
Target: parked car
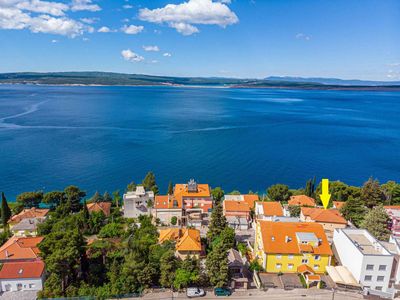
column 222, row 292
column 195, row 292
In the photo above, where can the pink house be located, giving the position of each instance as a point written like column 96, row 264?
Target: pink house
column 394, row 213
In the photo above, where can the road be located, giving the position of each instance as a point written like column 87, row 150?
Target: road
column 272, row 294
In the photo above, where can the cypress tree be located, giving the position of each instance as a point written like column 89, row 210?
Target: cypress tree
column 5, row 210
column 170, row 188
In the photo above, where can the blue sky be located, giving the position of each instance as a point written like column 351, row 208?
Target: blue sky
column 237, row 38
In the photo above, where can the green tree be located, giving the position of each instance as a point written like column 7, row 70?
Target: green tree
column 226, row 238
column 279, row 192
column 74, row 196
column 5, row 211
column 234, row 192
column 117, row 198
column 30, row 199
column 174, row 220
column 217, row 223
column 62, row 251
column 187, row 274
column 371, row 193
column 131, row 187
column 168, row 266
column 149, row 183
column 170, row 188
column 376, row 222
column 54, row 198
column 96, row 197
column 391, row 191
column 86, row 214
column 294, row 210
column 310, row 187
column 107, row 197
column 217, row 266
column 353, row 210
column 339, row 191
column 217, row 194
column 111, row 230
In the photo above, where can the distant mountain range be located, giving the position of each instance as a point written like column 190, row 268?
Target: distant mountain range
column 333, row 81
column 108, row 78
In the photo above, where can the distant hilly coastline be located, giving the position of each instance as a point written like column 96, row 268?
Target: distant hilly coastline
column 119, row 79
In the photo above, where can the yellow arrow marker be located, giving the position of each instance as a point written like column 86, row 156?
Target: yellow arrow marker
column 325, row 196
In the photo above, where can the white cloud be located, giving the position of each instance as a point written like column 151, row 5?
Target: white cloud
column 39, row 17
column 132, row 29
column 184, row 16
column 166, row 54
column 394, row 64
column 127, row 6
column 104, row 29
column 393, row 74
column 302, row 36
column 154, row 61
column 45, row 7
column 151, row 48
column 89, row 20
column 54, row 41
column 131, row 56
column 78, row 5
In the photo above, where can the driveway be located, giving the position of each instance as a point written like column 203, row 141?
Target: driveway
column 291, row 281
column 21, row 295
column 269, row 280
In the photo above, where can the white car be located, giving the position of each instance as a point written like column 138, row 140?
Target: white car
column 195, row 292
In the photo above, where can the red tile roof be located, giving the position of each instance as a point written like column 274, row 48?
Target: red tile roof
column 272, row 208
column 17, row 248
column 301, row 200
column 338, row 204
column 105, row 207
column 167, row 202
column 29, row 214
column 251, row 199
column 235, row 206
column 323, row 215
column 280, row 237
column 27, row 269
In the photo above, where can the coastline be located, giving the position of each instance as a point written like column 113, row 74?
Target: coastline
column 215, row 86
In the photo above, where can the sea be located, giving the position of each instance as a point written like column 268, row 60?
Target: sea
column 101, row 138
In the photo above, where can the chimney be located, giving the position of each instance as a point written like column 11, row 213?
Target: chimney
column 7, row 255
column 288, row 239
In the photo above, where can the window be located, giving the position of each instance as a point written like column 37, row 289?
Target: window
column 278, row 266
column 380, row 278
column 290, row 256
column 316, row 267
column 368, row 278
column 278, row 256
column 290, row 266
column 317, row 257
column 382, row 267
column 31, row 285
column 378, row 288
column 304, row 261
column 370, row 267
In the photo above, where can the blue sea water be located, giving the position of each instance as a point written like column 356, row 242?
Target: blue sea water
column 101, row 138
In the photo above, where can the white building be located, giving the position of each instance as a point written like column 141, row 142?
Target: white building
column 137, row 203
column 365, row 257
column 22, row 276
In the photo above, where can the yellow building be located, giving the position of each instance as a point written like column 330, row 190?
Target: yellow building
column 290, row 247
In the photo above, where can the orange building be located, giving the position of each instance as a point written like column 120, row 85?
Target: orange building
column 237, row 213
column 188, row 241
column 302, row 200
column 20, row 249
column 330, row 219
column 268, row 210
column 105, row 207
column 30, row 213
